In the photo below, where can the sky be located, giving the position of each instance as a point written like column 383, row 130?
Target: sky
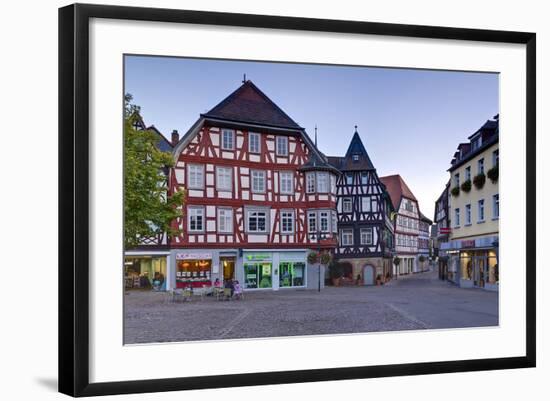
column 410, row 121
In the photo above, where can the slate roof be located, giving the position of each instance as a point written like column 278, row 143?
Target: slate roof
column 397, row 188
column 163, row 144
column 347, row 163
column 424, row 218
column 318, row 162
column 248, row 104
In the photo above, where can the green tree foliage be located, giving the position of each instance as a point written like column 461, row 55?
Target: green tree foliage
column 148, row 208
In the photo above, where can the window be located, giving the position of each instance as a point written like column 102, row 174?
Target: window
column 480, row 210
column 364, row 178
column 496, row 207
column 312, row 221
column 468, row 217
column 457, row 217
column 366, row 236
column 228, row 137
column 322, row 182
column 495, row 158
column 349, row 178
column 332, row 184
column 282, row 146
column 481, row 166
column 355, row 158
column 346, row 236
column 476, row 142
column 333, row 222
column 324, row 221
column 346, row 205
column 225, row 220
column 287, row 222
column 195, row 178
column 258, row 181
column 457, row 179
column 310, row 183
column 374, row 205
column 224, row 178
column 286, row 179
column 365, row 204
column 468, row 173
column 195, row 218
column 256, row 221
column 254, row 142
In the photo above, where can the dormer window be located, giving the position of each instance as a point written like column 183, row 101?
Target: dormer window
column 355, row 158
column 476, row 142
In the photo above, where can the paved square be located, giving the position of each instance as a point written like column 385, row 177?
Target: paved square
column 419, row 301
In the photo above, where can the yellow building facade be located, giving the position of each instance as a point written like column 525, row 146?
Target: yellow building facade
column 474, row 203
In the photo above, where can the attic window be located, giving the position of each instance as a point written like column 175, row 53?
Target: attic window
column 355, row 158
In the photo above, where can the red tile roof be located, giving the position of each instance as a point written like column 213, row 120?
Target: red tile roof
column 397, row 188
column 250, row 105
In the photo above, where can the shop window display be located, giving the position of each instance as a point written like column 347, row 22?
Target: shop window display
column 193, row 273
column 291, row 274
column 257, row 275
column 145, row 272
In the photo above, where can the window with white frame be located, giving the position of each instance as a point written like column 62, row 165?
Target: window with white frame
column 224, row 178
column 495, row 158
column 310, row 183
column 324, row 221
column 225, row 220
column 365, row 204
column 254, row 142
column 457, row 217
column 468, row 216
column 257, row 220
column 282, row 146
column 286, row 182
column 195, row 219
column 366, row 236
column 480, row 210
column 356, row 158
column 374, row 204
column 322, row 182
column 346, row 236
column 195, row 176
column 312, row 221
column 457, row 179
column 496, row 207
column 334, row 221
column 287, row 222
column 228, row 139
column 349, row 178
column 468, row 174
column 332, row 184
column 346, row 205
column 364, row 178
column 258, row 180
column 481, row 166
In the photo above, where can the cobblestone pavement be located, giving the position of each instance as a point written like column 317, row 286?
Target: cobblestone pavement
column 419, row 301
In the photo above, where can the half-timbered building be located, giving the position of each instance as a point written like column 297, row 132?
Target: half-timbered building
column 364, row 210
column 424, row 228
column 259, row 196
column 406, row 224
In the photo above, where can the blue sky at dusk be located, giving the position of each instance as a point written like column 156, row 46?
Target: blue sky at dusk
column 410, row 121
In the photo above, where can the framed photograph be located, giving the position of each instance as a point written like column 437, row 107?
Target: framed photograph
column 252, row 199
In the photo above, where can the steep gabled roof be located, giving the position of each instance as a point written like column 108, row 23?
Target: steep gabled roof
column 357, row 149
column 249, row 104
column 397, row 188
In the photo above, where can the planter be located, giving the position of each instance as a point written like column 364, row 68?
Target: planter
column 455, row 191
column 493, row 174
column 336, row 281
column 466, row 186
column 479, row 180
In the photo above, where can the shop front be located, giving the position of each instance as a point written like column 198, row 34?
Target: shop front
column 273, row 270
column 145, row 271
column 193, row 269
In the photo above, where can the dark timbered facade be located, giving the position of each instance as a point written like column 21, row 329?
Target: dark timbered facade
column 364, row 209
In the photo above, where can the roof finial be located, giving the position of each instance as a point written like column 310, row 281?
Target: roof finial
column 244, row 78
column 315, row 135
column 356, row 129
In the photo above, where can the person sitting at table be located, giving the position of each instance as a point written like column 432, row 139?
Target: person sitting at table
column 238, row 290
column 229, row 284
column 217, row 283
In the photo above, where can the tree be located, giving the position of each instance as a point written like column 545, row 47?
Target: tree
column 149, row 208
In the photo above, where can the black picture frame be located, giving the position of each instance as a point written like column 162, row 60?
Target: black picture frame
column 74, row 198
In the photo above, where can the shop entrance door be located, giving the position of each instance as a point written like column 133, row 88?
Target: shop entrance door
column 228, row 266
column 479, row 271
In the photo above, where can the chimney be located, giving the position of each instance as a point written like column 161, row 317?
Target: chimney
column 175, row 137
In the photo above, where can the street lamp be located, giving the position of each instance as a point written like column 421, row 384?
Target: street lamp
column 319, row 236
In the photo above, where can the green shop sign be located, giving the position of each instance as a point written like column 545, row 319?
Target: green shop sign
column 258, row 256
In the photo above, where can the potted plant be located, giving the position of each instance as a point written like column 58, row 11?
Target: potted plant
column 335, row 272
column 466, row 186
column 313, row 257
column 479, row 180
column 455, row 191
column 325, row 258
column 493, row 174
